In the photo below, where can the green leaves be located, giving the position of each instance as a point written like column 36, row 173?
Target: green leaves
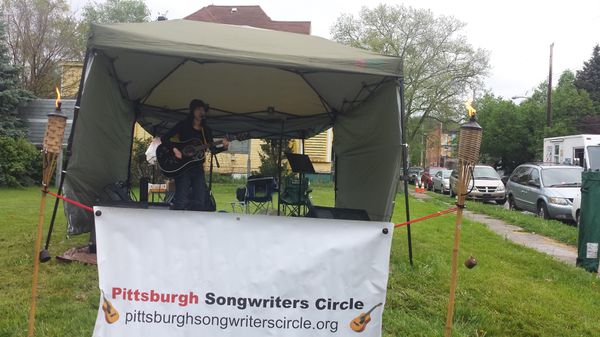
column 440, row 67
column 20, row 162
column 269, row 156
column 10, row 95
column 589, row 77
column 513, row 134
column 116, row 11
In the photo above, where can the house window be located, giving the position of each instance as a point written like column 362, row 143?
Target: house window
column 240, row 147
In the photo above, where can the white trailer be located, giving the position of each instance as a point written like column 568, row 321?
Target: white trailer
column 582, row 150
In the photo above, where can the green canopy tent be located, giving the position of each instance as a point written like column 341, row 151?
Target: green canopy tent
column 270, row 84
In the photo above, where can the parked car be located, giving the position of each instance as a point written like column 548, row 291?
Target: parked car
column 414, row 174
column 485, row 185
column 441, row 181
column 426, row 177
column 576, row 208
column 545, row 189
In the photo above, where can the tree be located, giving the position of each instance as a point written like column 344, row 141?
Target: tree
column 116, row 11
column 440, row 67
column 40, row 34
column 589, row 77
column 10, row 94
column 269, row 157
column 505, row 140
column 571, row 106
column 513, row 135
column 111, row 11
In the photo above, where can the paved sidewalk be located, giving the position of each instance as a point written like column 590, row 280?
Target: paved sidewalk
column 558, row 250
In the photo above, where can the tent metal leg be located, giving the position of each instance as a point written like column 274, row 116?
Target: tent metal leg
column 279, row 169
column 405, row 168
column 44, row 254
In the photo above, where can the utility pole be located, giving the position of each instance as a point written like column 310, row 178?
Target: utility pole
column 549, row 107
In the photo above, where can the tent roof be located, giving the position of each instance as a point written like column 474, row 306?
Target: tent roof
column 240, row 44
column 262, row 82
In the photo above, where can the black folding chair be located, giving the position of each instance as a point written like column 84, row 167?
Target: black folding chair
column 296, row 197
column 259, row 194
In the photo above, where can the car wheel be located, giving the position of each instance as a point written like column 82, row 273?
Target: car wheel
column 542, row 210
column 452, row 194
column 577, row 219
column 511, row 203
column 501, row 202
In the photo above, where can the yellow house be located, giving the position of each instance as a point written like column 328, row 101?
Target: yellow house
column 236, row 161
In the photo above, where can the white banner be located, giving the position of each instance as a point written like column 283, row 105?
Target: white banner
column 181, row 273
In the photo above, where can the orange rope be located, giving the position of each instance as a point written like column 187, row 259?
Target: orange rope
column 449, row 210
column 70, row 201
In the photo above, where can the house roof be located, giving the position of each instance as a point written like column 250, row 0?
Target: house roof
column 252, row 16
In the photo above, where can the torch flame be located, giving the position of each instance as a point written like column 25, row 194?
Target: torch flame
column 57, row 102
column 470, row 109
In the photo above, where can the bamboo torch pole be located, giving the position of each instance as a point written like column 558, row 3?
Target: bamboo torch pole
column 51, row 148
column 468, row 153
column 462, row 191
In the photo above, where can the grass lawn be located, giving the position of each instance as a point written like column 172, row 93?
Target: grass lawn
column 513, row 291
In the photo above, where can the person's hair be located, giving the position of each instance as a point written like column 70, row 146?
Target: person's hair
column 196, row 103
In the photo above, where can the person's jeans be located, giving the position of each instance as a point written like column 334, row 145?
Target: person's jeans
column 191, row 178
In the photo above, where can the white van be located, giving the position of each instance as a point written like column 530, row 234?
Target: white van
column 581, row 150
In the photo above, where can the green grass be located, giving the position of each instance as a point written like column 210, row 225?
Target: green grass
column 557, row 230
column 513, row 291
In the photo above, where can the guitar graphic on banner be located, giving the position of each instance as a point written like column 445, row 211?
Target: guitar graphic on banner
column 110, row 313
column 359, row 323
column 193, row 152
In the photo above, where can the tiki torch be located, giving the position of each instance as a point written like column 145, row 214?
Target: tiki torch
column 52, row 145
column 468, row 151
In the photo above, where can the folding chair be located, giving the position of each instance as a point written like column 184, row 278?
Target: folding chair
column 259, row 194
column 296, row 197
column 240, row 199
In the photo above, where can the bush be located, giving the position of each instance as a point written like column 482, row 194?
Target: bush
column 139, row 166
column 21, row 162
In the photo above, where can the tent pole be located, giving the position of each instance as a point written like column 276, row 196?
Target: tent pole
column 44, row 254
column 335, row 175
column 405, row 167
column 300, row 191
column 130, row 153
column 279, row 169
column 210, row 175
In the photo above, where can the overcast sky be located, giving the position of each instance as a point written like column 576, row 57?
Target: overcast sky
column 517, row 33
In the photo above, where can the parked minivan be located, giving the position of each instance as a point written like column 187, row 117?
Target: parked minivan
column 545, row 189
column 487, row 185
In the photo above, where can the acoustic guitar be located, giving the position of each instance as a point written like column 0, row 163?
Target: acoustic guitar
column 192, row 151
column 359, row 323
column 110, row 313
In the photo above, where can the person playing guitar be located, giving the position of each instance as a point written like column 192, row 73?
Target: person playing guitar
column 193, row 127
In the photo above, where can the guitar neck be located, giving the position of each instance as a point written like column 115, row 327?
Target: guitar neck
column 373, row 308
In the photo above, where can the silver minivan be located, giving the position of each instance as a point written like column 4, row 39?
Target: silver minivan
column 545, row 189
